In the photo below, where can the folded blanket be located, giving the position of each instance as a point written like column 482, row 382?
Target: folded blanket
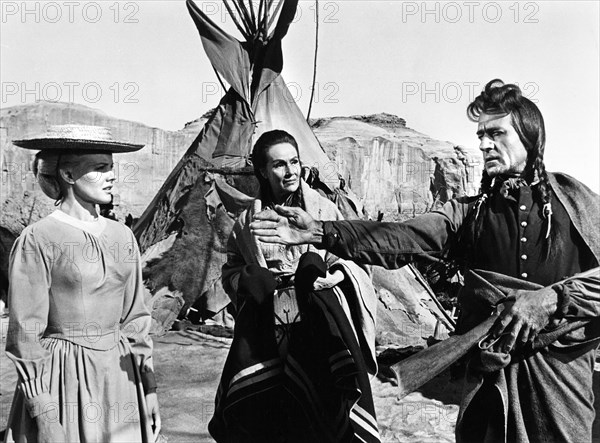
column 318, row 390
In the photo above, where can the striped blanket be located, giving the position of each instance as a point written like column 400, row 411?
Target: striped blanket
column 317, row 390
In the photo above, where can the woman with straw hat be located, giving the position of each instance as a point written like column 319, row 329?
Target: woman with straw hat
column 78, row 326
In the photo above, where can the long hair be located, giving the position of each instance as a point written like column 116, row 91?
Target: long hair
column 259, row 162
column 498, row 98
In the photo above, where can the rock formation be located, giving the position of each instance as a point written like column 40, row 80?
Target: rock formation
column 138, row 175
column 395, row 170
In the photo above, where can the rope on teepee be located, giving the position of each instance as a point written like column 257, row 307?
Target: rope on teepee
column 312, row 92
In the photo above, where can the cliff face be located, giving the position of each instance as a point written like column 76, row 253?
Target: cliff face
column 393, row 169
column 139, row 175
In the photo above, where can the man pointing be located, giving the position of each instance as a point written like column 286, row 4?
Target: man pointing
column 528, row 229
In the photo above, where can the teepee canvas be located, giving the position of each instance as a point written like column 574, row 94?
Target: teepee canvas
column 192, row 214
column 257, row 101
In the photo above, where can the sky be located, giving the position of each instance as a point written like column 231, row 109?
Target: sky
column 423, row 61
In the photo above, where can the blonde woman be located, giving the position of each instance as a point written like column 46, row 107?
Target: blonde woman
column 78, row 327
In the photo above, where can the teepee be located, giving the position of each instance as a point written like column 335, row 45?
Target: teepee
column 257, row 101
column 184, row 230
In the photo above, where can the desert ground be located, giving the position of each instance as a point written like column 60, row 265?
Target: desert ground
column 188, row 366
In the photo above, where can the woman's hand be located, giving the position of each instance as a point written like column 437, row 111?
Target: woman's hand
column 329, row 281
column 49, row 429
column 153, row 413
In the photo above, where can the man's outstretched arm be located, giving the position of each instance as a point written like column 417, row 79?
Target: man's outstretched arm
column 390, row 245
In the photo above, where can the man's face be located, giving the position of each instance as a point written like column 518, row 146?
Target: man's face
column 503, row 152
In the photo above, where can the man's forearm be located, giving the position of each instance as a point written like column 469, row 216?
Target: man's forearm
column 366, row 242
column 579, row 296
column 391, row 245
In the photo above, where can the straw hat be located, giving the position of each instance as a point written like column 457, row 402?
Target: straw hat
column 60, row 137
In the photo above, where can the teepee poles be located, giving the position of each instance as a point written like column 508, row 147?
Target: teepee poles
column 262, row 19
column 235, row 20
column 219, row 78
column 240, row 8
column 266, row 17
column 273, row 17
column 252, row 16
column 261, row 6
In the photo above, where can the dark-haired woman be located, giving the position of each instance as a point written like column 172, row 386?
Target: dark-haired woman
column 304, row 336
column 78, row 327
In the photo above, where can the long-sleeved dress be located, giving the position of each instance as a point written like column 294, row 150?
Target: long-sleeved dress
column 78, row 331
column 542, row 393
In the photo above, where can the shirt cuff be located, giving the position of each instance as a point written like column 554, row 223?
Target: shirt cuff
column 39, row 404
column 564, row 300
column 331, row 237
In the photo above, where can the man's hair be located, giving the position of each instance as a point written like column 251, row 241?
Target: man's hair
column 501, row 99
column 259, row 157
column 498, row 98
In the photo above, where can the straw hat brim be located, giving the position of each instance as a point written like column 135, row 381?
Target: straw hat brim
column 42, row 144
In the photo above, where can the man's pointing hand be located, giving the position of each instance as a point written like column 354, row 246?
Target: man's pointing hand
column 285, row 225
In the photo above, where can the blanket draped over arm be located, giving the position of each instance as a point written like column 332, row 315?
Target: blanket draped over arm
column 312, row 384
column 358, row 289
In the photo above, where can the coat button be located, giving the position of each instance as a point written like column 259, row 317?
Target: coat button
column 524, row 257
column 523, row 223
column 523, row 239
column 524, row 275
column 522, row 207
